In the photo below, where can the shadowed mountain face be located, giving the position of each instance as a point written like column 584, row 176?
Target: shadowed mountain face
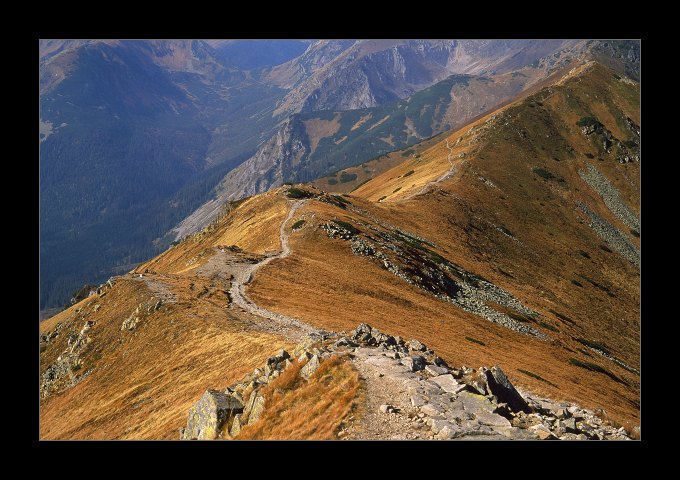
column 133, row 136
column 138, row 137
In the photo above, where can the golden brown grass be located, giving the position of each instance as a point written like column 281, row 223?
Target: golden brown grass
column 145, row 381
column 301, row 410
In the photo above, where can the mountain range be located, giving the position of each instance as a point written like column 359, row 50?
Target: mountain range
column 143, row 142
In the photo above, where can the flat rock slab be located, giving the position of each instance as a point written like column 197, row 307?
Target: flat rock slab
column 458, row 414
column 368, row 352
column 474, row 403
column 381, row 361
column 434, row 370
column 492, row 419
column 430, row 410
column 515, row 433
column 437, row 424
column 418, row 400
column 447, row 383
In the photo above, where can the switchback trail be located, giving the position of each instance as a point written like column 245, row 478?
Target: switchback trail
column 244, row 275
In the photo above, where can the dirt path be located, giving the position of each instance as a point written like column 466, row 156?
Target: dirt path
column 243, row 274
column 386, row 382
column 446, row 175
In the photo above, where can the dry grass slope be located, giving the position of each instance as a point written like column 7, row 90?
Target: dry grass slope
column 301, row 410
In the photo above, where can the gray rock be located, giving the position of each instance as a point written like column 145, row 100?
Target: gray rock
column 499, row 385
column 435, row 370
column 418, row 400
column 542, row 432
column 207, row 416
column 437, row 425
column 310, row 367
column 492, row 419
column 447, row 383
column 570, row 425
column 304, row 356
column 394, row 355
column 257, row 409
column 563, row 413
column 440, row 362
column 235, row 426
column 386, row 408
column 448, row 432
column 430, row 410
column 414, row 363
column 417, row 346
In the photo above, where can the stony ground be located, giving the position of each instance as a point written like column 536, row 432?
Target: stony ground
column 409, row 394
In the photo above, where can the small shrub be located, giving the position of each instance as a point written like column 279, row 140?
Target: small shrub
column 562, row 317
column 347, row 226
column 590, row 155
column 410, row 172
column 606, row 248
column 341, row 200
column 537, row 377
column 584, row 254
column 548, row 326
column 347, row 177
column 297, row 193
column 519, row 317
column 298, row 224
column 587, row 121
column 332, row 181
column 635, row 233
column 474, row 340
column 592, row 344
column 399, row 188
column 577, row 283
column 595, row 368
column 543, row 173
column 382, row 198
column 584, row 352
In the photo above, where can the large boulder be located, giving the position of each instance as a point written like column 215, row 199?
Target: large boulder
column 257, row 409
column 499, row 386
column 310, row 367
column 208, row 415
column 447, row 383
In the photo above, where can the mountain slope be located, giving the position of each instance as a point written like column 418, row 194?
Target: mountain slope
column 512, row 254
column 314, row 144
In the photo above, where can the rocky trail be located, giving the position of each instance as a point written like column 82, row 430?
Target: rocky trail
column 410, row 394
column 244, row 275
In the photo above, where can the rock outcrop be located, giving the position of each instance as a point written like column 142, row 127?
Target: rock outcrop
column 454, row 403
column 209, row 414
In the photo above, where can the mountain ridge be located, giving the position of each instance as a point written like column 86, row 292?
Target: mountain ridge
column 503, row 234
